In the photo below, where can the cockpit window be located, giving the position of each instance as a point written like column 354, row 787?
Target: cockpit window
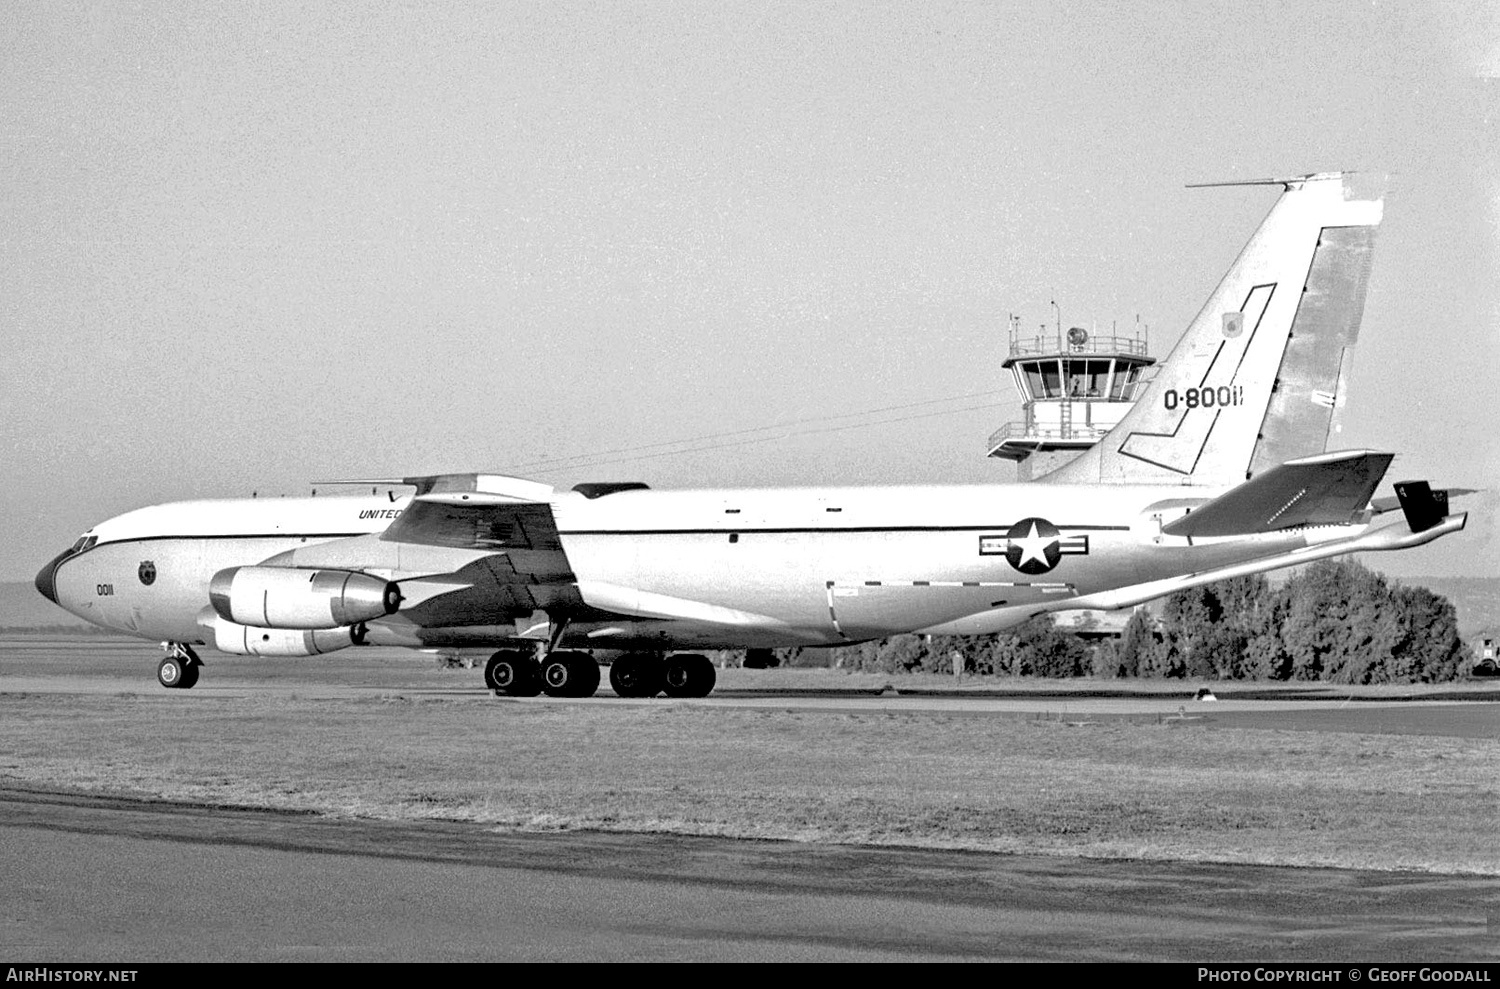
column 85, row 542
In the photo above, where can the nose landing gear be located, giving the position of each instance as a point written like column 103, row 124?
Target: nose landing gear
column 180, row 669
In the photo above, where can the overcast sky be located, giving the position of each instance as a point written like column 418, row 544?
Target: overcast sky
column 244, row 246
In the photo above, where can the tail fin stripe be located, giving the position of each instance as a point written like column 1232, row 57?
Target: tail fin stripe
column 1163, row 449
column 1265, row 307
column 1204, row 380
column 1173, row 435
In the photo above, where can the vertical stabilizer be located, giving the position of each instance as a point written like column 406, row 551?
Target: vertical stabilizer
column 1256, row 379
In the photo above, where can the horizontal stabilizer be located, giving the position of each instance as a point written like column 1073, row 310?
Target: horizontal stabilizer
column 1327, row 489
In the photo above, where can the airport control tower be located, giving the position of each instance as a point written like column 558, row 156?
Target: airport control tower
column 1074, row 387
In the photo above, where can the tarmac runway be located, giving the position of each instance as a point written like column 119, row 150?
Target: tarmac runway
column 93, row 878
column 108, row 665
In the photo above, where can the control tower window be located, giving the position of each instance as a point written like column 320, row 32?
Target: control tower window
column 1034, row 380
column 1052, row 380
column 1097, row 384
column 1077, row 379
column 1125, row 382
column 1087, row 379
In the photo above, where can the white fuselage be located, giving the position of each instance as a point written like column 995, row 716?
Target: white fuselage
column 693, row 569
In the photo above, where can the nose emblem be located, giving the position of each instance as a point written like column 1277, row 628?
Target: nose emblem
column 147, row 572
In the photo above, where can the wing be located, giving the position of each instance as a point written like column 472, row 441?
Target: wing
column 524, row 568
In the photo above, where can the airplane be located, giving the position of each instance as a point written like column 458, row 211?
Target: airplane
column 1221, row 469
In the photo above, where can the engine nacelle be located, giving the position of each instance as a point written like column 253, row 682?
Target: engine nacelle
column 246, row 640
column 283, row 597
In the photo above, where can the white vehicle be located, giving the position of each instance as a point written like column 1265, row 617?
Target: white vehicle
column 1219, row 470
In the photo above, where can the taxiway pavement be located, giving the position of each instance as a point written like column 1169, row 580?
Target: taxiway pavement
column 94, row 878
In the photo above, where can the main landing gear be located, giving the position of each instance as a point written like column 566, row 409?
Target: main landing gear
column 513, row 673
column 644, row 674
column 565, row 673
column 689, row 675
column 180, row 669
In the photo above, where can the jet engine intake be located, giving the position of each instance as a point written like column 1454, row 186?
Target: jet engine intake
column 283, row 597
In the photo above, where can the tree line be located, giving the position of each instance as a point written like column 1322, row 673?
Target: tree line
column 1335, row 621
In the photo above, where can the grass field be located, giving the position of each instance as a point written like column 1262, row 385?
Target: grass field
column 984, row 782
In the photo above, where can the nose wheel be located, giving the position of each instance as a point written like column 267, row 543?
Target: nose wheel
column 179, row 670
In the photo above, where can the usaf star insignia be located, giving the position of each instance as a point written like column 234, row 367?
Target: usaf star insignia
column 1033, row 546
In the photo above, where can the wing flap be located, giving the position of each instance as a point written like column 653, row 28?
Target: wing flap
column 1327, row 489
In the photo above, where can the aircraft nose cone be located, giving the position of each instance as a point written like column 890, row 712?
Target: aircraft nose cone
column 46, row 578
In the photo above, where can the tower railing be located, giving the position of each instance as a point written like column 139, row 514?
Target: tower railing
column 1021, row 431
column 1058, row 344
